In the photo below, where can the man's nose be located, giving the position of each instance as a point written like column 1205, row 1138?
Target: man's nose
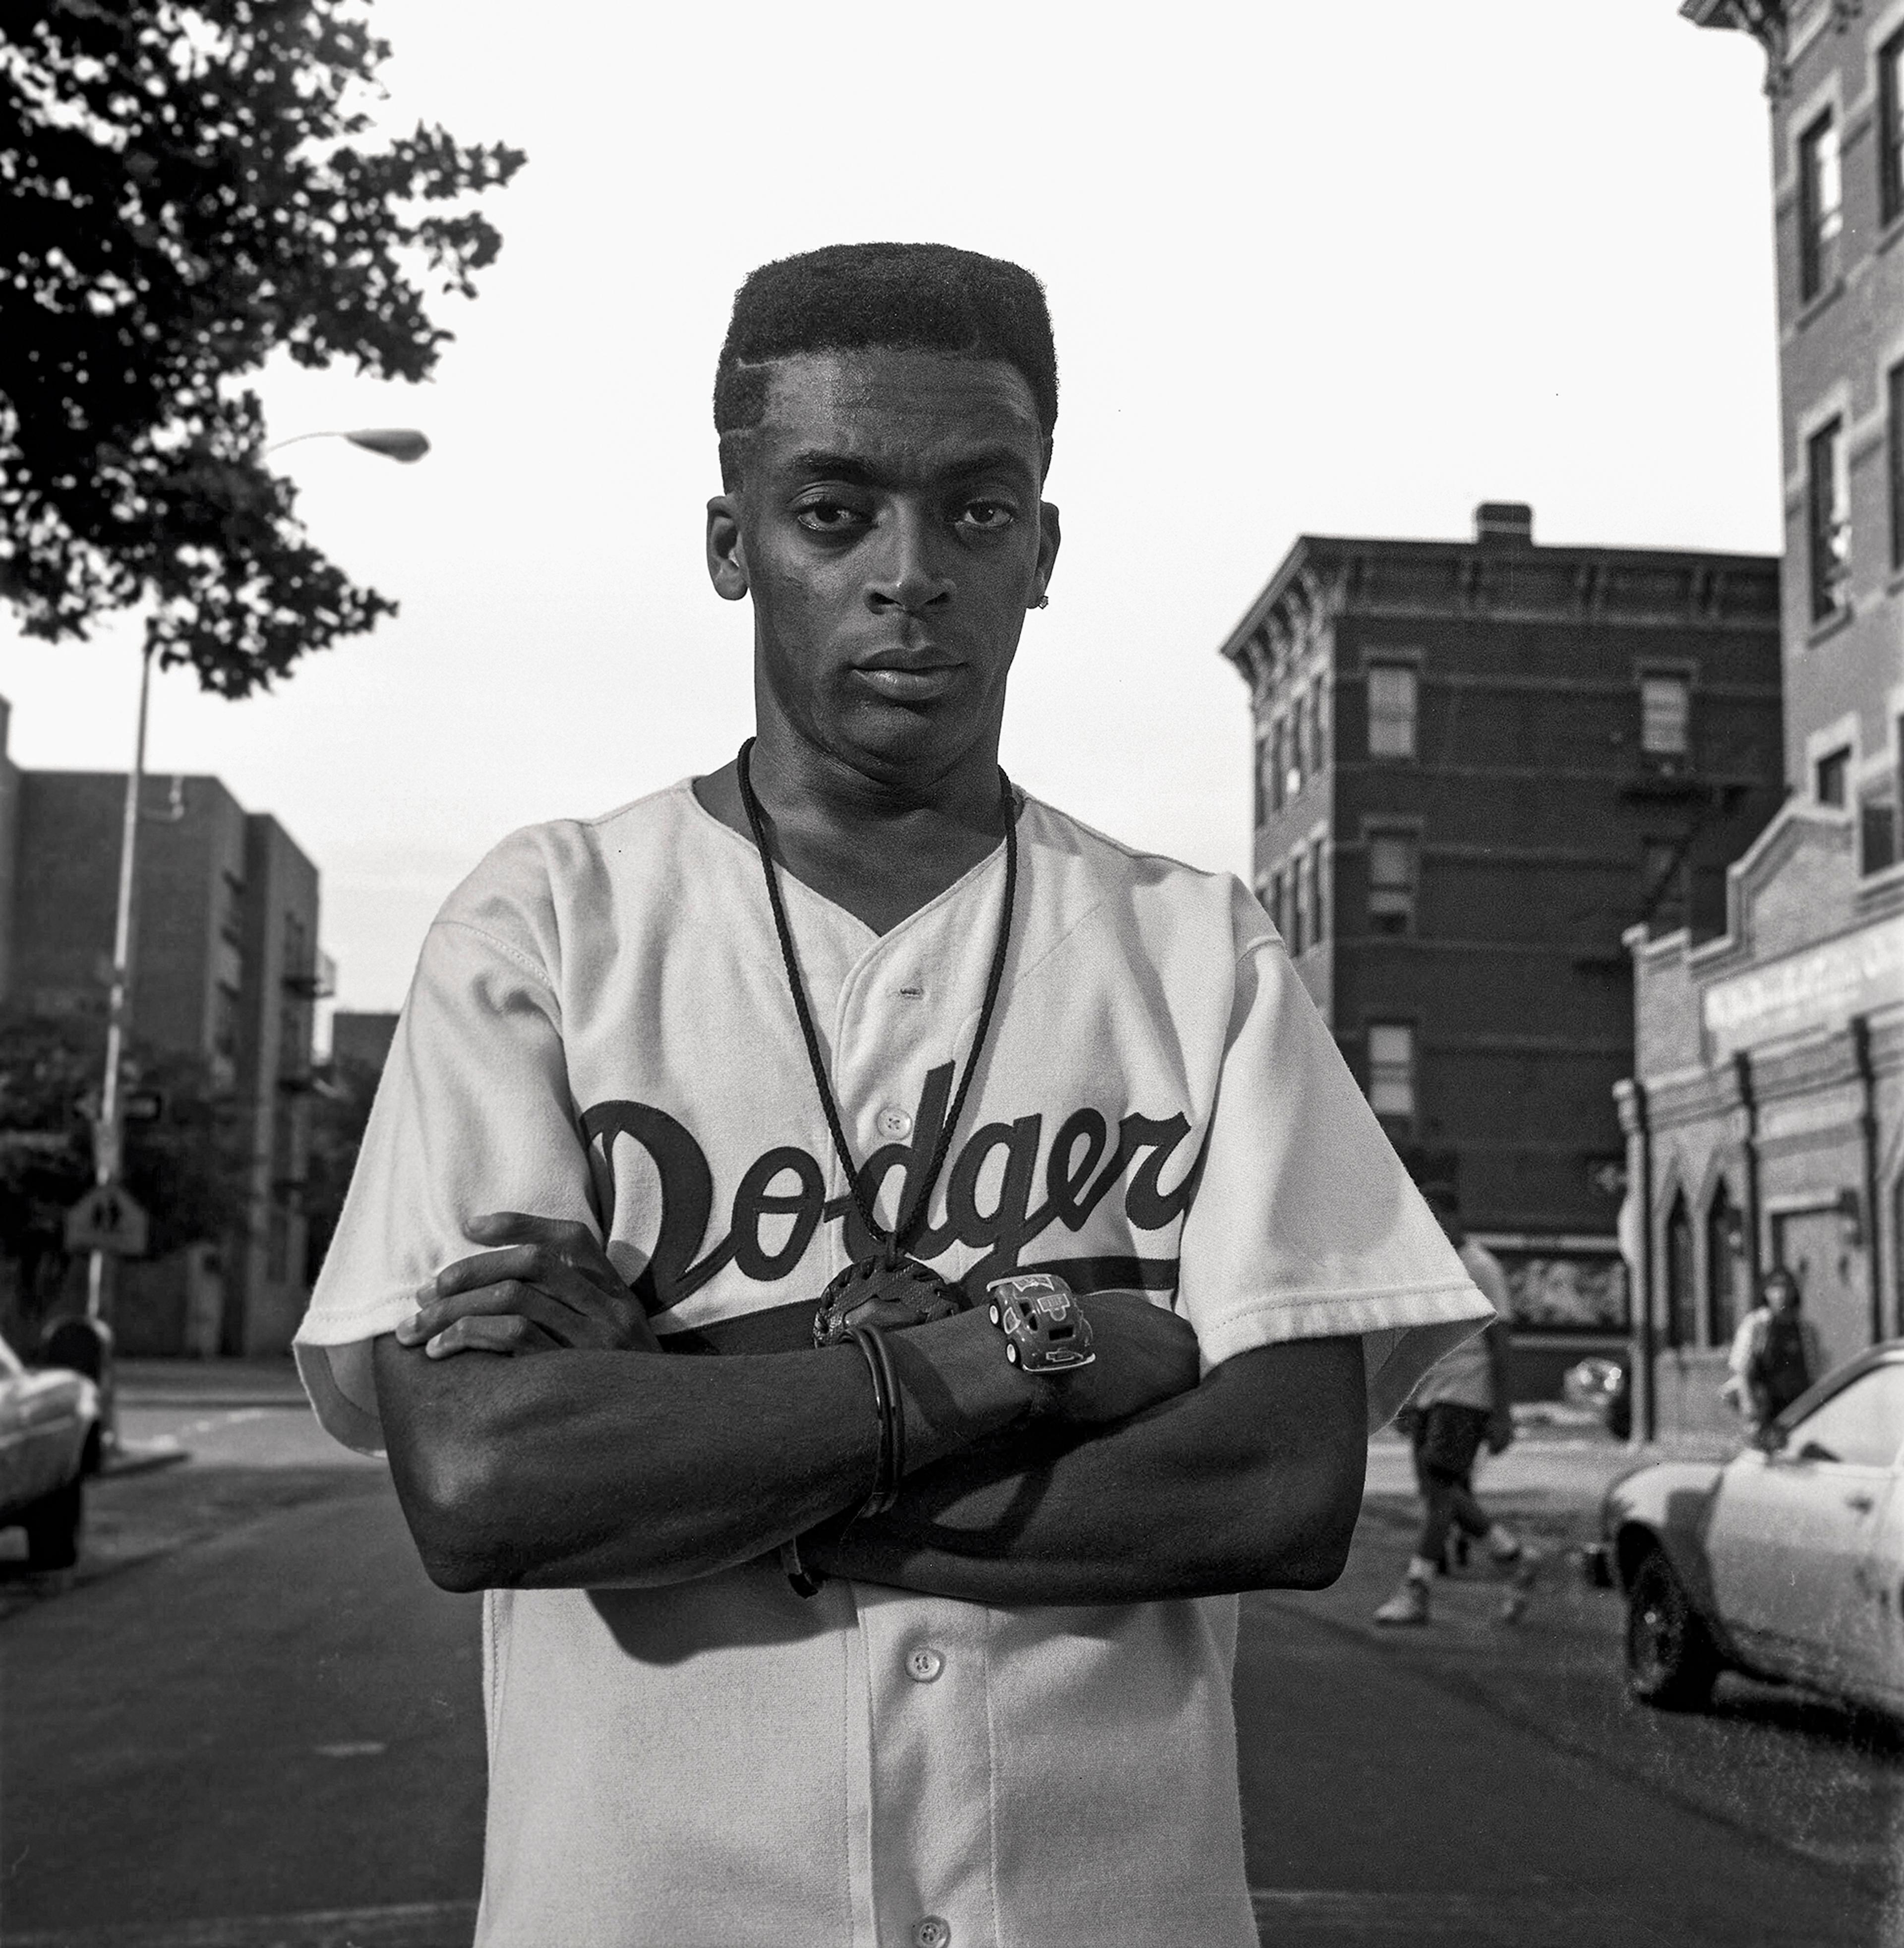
column 910, row 571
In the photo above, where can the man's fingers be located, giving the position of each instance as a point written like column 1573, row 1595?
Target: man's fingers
column 520, row 1228
column 507, row 1298
column 507, row 1333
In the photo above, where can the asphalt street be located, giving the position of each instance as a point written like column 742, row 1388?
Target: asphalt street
column 250, row 1719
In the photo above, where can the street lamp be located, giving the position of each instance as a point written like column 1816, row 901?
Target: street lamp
column 405, row 444
column 399, row 443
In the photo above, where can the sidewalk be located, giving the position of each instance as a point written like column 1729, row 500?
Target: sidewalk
column 220, row 1383
column 1554, row 1476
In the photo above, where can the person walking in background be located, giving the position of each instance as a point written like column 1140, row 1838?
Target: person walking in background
column 1463, row 1401
column 1775, row 1352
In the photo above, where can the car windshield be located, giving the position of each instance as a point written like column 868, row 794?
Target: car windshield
column 1861, row 1424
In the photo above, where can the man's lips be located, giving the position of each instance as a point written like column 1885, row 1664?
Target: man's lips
column 908, row 676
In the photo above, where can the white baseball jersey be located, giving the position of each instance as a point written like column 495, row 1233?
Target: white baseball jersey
column 600, row 1028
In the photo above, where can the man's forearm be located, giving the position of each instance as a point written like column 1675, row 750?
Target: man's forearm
column 1252, row 1481
column 576, row 1468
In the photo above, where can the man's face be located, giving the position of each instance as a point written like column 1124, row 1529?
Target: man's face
column 1782, row 1294
column 888, row 529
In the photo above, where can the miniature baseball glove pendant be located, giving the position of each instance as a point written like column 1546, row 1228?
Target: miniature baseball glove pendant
column 891, row 1296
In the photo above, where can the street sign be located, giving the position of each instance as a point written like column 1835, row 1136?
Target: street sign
column 107, row 1219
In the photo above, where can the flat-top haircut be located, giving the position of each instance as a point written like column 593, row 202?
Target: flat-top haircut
column 851, row 297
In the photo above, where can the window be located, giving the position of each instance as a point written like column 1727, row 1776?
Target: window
column 1318, row 881
column 1827, row 497
column 1298, row 739
column 231, row 909
column 1299, row 934
column 225, row 1022
column 1678, row 1274
column 1318, row 727
column 1861, row 1425
column 1278, row 732
column 1392, row 857
column 1830, row 775
column 1262, row 776
column 1662, row 902
column 1821, row 206
column 1278, row 893
column 1665, row 713
column 1391, row 1069
column 1392, row 688
column 1894, row 454
column 1725, row 1267
column 1877, row 835
column 1890, row 127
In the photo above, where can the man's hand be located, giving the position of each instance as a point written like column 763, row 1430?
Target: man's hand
column 1145, row 1355
column 552, row 1285
column 1500, row 1431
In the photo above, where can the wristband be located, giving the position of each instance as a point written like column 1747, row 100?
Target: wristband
column 803, row 1581
column 889, row 1471
column 888, row 1467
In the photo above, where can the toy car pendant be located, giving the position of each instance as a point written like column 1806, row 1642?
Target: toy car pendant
column 1045, row 1328
column 892, row 1297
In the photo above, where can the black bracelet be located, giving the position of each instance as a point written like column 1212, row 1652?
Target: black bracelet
column 890, row 1469
column 804, row 1582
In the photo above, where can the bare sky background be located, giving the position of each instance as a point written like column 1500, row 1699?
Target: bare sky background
column 1323, row 269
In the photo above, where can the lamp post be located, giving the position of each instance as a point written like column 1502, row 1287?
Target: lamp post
column 403, row 444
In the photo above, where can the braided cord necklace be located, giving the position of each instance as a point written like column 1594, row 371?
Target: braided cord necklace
column 875, row 1279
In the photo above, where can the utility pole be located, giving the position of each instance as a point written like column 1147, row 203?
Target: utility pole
column 109, row 1129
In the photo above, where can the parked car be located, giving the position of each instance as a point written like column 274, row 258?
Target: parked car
column 49, row 1443
column 1785, row 1562
column 1601, row 1385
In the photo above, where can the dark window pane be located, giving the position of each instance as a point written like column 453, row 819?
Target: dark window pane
column 1877, row 835
column 1890, row 127
column 1680, row 1324
column 1894, row 453
column 1827, row 495
column 1832, row 770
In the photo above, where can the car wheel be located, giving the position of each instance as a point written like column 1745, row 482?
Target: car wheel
column 1671, row 1659
column 53, row 1525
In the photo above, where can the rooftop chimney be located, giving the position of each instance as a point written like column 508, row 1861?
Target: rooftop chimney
column 1510, row 521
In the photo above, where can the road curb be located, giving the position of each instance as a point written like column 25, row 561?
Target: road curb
column 141, row 1457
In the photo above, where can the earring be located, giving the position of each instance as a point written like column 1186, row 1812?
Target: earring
column 1042, row 602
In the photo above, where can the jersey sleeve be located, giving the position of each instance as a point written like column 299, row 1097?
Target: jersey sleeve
column 473, row 1115
column 1304, row 1225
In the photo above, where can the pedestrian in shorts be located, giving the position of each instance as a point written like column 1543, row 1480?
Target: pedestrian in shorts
column 1461, row 1404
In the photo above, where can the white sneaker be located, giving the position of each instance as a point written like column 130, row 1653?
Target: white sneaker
column 1409, row 1604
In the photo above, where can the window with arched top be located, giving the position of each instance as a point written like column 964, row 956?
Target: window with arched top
column 1681, row 1321
column 1725, row 1266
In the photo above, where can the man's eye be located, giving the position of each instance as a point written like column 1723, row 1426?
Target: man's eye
column 829, row 517
column 988, row 517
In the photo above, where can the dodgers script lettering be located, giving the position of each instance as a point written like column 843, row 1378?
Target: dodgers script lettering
column 998, row 1199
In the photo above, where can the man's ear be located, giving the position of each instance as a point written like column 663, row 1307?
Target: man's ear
column 1049, row 537
column 727, row 558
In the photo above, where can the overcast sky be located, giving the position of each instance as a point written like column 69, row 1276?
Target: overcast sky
column 1323, row 269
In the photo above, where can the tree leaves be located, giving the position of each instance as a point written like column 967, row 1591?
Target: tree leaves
column 186, row 191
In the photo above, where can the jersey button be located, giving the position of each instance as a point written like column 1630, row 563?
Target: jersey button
column 895, row 1122
column 932, row 1933
column 922, row 1665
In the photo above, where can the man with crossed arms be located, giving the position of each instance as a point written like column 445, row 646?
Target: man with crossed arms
column 731, row 1699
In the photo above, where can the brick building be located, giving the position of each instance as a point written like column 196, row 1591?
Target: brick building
column 1478, row 763
column 1765, row 1122
column 225, row 968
